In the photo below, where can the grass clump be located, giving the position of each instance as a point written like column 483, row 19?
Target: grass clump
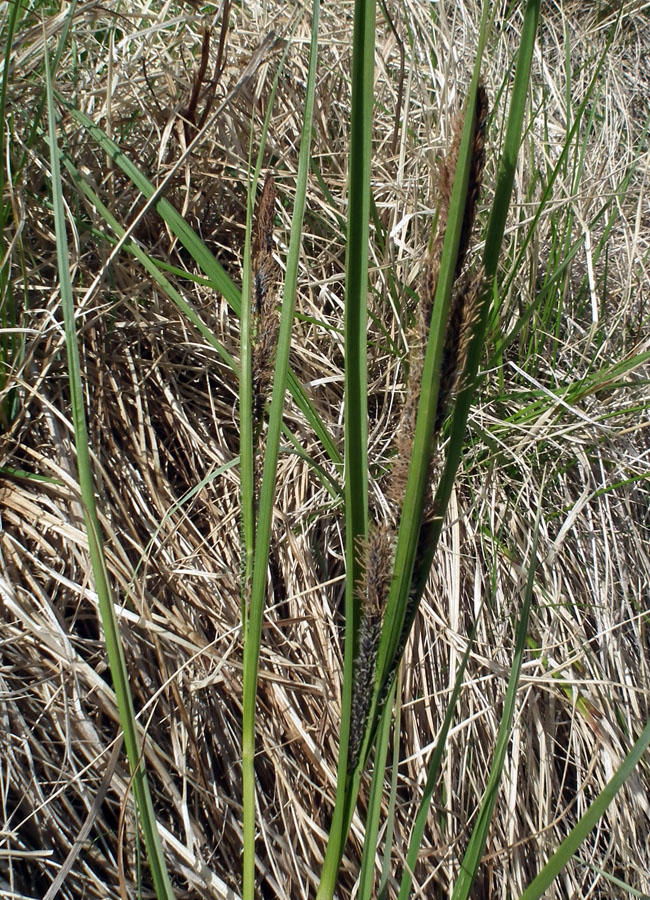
column 336, row 320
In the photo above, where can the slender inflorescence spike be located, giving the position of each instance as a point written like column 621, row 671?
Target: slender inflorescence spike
column 373, row 589
column 463, row 315
column 446, row 172
column 475, row 176
column 263, row 238
column 264, row 288
column 464, row 305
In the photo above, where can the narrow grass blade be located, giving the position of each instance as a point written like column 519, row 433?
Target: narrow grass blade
column 627, row 889
column 204, row 259
column 374, row 801
column 114, row 651
column 356, row 425
column 246, row 440
column 252, row 605
column 542, row 882
column 267, row 490
column 432, row 779
column 246, row 436
column 382, row 893
column 12, row 22
column 12, row 472
column 10, row 342
column 472, row 858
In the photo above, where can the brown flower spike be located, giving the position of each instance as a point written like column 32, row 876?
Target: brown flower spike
column 464, row 305
column 264, row 294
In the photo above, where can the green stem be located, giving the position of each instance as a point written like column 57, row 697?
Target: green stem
column 356, row 426
column 253, row 632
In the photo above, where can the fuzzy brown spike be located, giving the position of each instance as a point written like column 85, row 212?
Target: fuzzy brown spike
column 265, row 274
column 464, row 303
column 373, row 589
column 475, row 176
column 263, row 238
column 471, row 311
column 264, row 294
column 377, row 559
column 462, row 318
column 464, row 306
column 447, row 167
column 262, row 366
column 446, row 171
column 406, row 428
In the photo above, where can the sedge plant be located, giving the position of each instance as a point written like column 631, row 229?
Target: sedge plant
column 389, row 550
column 381, row 606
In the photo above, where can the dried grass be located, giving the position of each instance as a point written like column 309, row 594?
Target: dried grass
column 162, row 413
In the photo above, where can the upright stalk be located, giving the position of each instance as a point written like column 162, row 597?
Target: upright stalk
column 253, row 631
column 356, row 415
column 114, row 651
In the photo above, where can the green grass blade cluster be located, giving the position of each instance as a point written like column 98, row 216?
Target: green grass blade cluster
column 414, row 548
column 408, row 545
column 416, row 527
column 431, row 532
column 114, row 650
column 414, row 499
